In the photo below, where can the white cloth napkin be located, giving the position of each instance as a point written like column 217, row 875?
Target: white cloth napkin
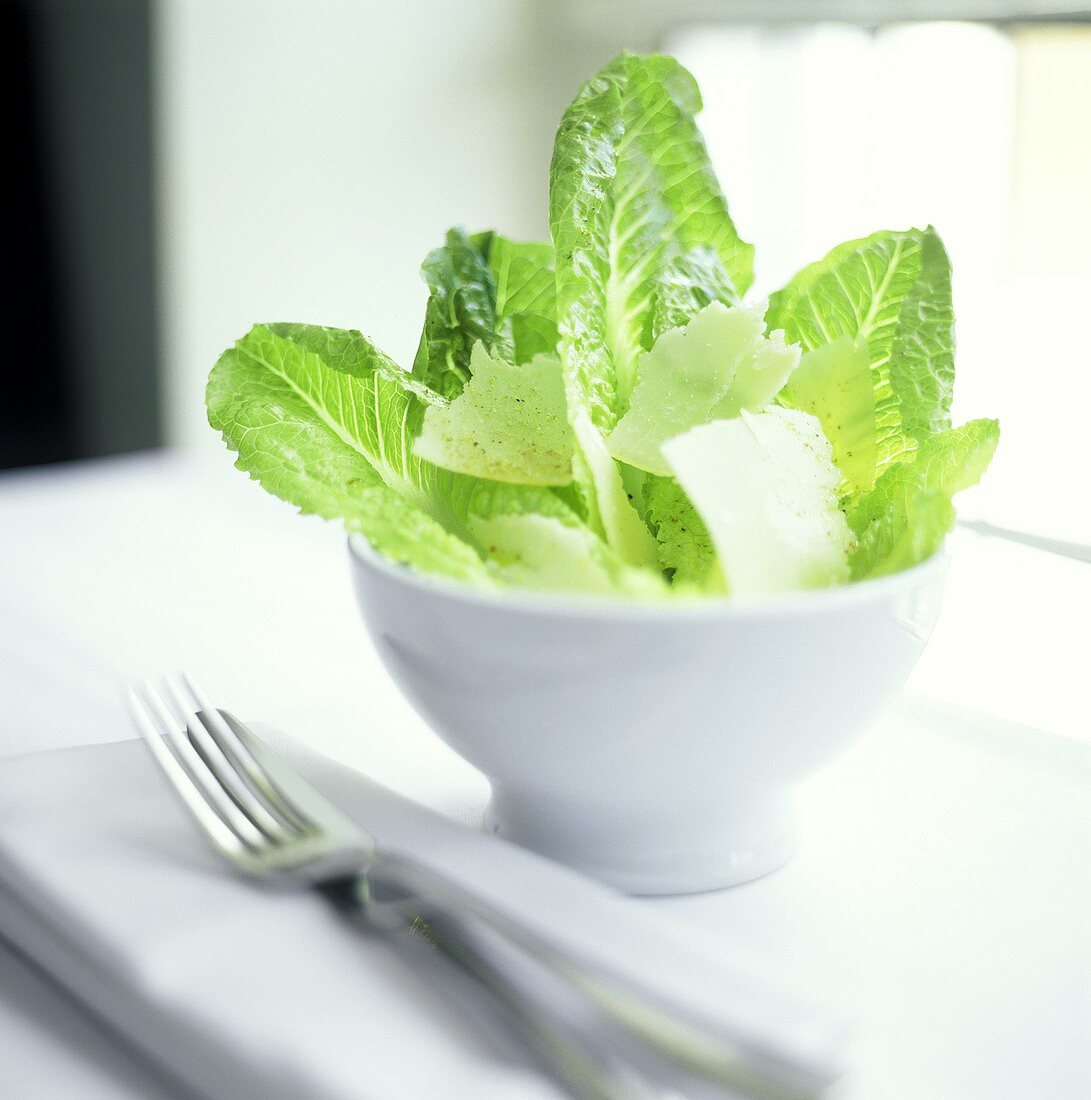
column 242, row 992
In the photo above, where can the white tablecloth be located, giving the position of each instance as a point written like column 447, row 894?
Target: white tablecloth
column 941, row 894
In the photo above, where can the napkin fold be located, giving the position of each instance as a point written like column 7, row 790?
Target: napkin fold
column 241, row 992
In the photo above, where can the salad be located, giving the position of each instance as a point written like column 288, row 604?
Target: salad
column 609, row 412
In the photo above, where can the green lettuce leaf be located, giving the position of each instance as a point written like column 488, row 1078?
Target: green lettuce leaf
column 548, row 548
column 461, row 311
column 910, row 529
column 299, row 440
column 584, row 415
column 608, row 503
column 526, row 297
column 684, row 287
column 766, row 487
column 904, row 519
column 833, row 382
column 685, row 546
column 529, row 335
column 524, row 276
column 719, row 363
column 892, row 292
column 632, row 193
column 487, row 289
column 508, row 424
column 326, row 421
column 922, row 358
column 349, row 390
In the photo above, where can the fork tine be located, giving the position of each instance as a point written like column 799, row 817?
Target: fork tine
column 223, row 836
column 242, row 759
column 197, row 771
column 223, row 768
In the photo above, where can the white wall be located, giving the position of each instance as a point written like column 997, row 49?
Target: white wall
column 310, row 154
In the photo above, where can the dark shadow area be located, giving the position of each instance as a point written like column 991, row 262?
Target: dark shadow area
column 78, row 308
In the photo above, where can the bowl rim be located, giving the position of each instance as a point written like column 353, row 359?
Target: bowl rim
column 597, row 607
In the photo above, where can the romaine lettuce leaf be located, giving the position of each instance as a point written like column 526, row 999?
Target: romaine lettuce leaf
column 531, row 537
column 922, row 357
column 326, row 421
column 300, row 441
column 557, row 386
column 487, row 289
column 719, row 363
column 632, row 193
column 508, row 424
column 766, row 487
column 833, row 382
column 342, row 386
column 536, row 541
column 892, row 291
column 536, row 551
column 684, row 287
column 408, row 536
column 609, row 505
column 548, row 548
column 904, row 519
column 461, row 311
column 524, row 276
column 526, row 297
column 910, row 529
column 685, row 546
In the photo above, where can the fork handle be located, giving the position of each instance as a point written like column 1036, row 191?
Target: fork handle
column 669, row 1041
column 565, row 1030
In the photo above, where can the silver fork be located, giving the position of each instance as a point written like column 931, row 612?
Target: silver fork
column 598, row 1033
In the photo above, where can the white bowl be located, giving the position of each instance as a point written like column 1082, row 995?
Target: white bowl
column 654, row 747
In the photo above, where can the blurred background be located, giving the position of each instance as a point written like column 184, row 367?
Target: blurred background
column 183, row 168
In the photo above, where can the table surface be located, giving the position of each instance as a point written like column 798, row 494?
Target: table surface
column 940, row 898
